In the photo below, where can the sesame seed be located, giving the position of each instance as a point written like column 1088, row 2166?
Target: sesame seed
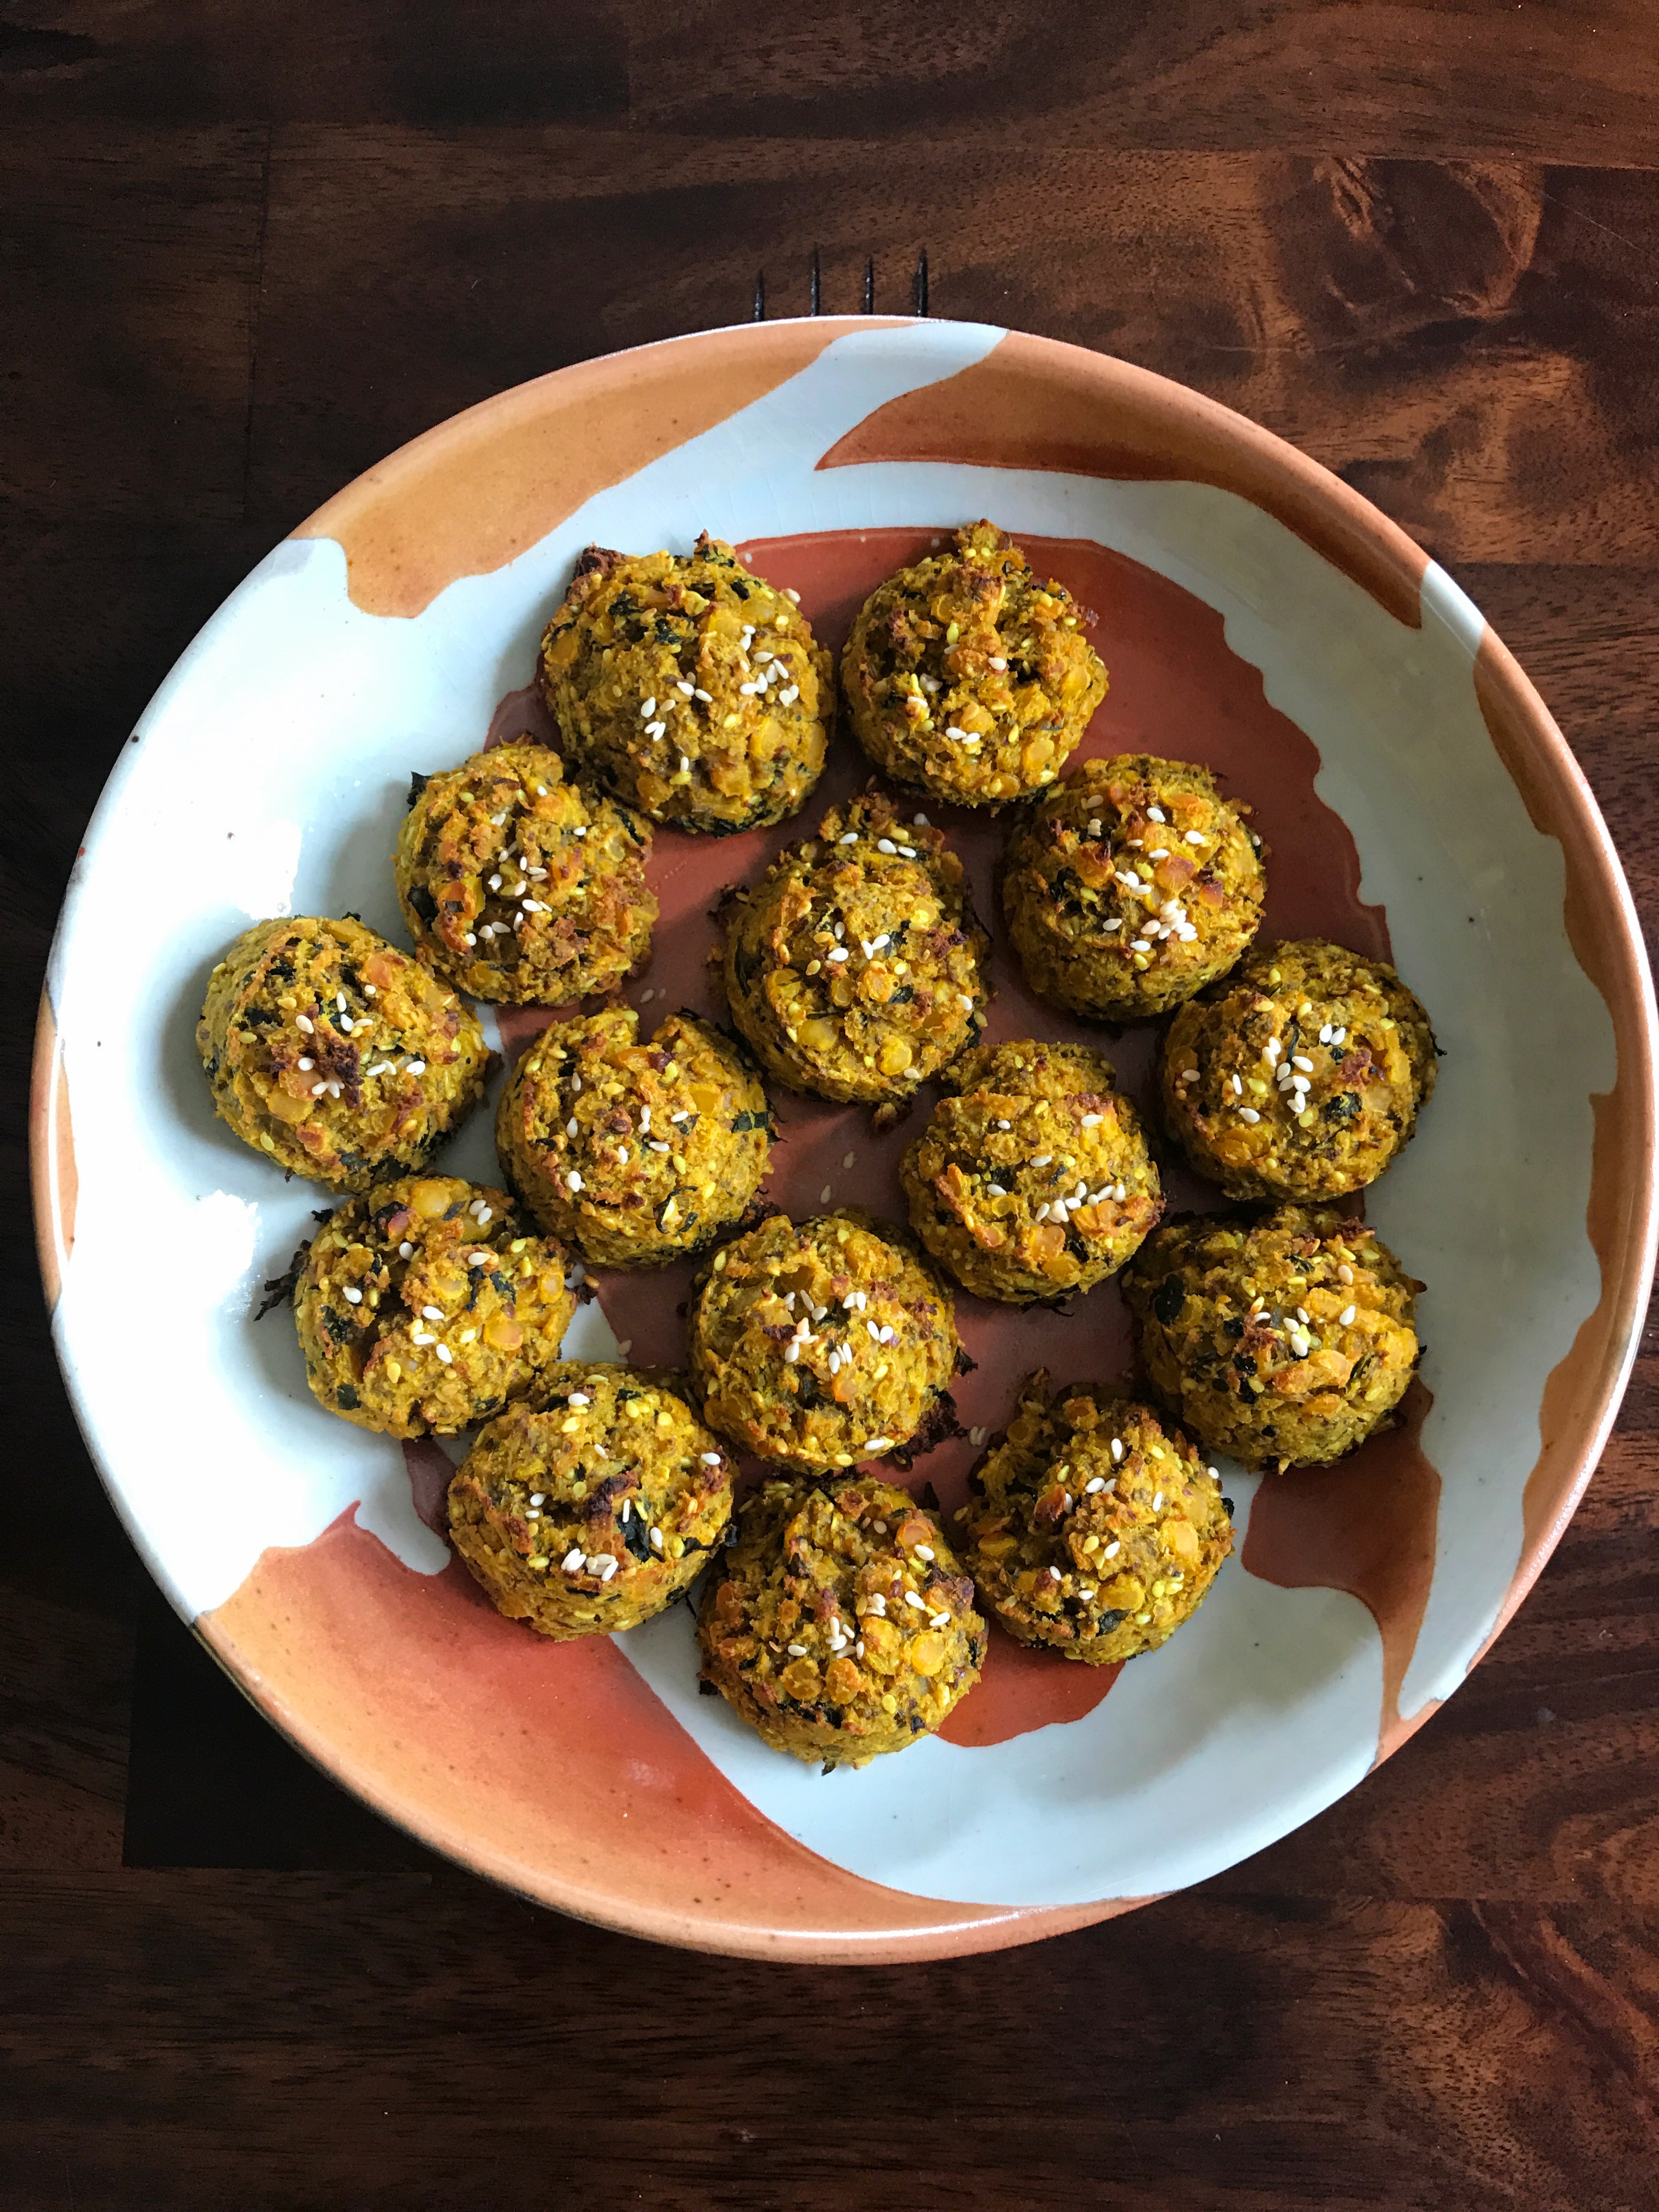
column 1248, row 1113
column 580, row 1398
column 686, row 688
column 840, row 953
column 405, row 1251
column 1157, row 1502
column 789, row 697
column 1194, row 837
column 877, row 1443
column 445, row 1354
column 646, row 712
column 656, row 1540
column 572, row 1562
column 414, row 1068
column 1091, row 1121
column 573, row 1180
column 1345, row 1319
column 1345, row 1273
column 353, row 1298
column 1238, row 1087
column 305, row 1023
column 851, row 838
column 939, row 1620
column 1189, row 1075
column 919, row 1603
column 1117, row 1447
column 1300, row 1060
column 306, row 1065
column 1094, row 1485
column 796, row 1651
column 886, row 845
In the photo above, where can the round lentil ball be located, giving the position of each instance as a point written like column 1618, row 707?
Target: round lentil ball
column 520, row 887
column 593, row 1509
column 1299, row 1077
column 635, row 1151
column 696, row 691
column 968, row 678
column 823, row 1343
column 427, row 1304
column 1034, row 1179
column 839, row 1625
column 1284, row 1342
column 854, row 967
column 1093, row 1528
column 336, row 1055
column 1131, row 885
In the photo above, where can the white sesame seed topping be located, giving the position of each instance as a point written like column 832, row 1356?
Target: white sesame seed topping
column 1091, row 1121
column 405, row 1251
column 851, row 838
column 1117, row 1447
column 1194, row 837
column 573, row 1180
column 414, row 1068
column 1094, row 1485
column 877, row 1443
column 572, row 1562
column 886, row 845
column 305, row 1023
column 1345, row 1319
column 919, row 1603
column 445, row 1354
column 1112, row 1549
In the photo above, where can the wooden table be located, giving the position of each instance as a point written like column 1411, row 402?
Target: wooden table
column 247, row 250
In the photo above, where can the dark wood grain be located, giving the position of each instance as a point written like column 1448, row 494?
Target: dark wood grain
column 245, row 251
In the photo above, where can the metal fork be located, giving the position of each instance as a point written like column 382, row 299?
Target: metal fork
column 918, row 287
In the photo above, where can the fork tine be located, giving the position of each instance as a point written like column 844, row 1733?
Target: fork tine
column 870, row 285
column 818, row 282
column 919, row 285
column 759, row 315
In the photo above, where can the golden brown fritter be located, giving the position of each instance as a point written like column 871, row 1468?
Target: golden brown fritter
column 694, row 690
column 592, row 1510
column 839, row 1626
column 1284, row 1342
column 967, row 677
column 854, row 968
column 1131, row 885
column 522, row 888
column 823, row 1343
column 336, row 1055
column 634, row 1152
column 1300, row 1077
column 427, row 1304
column 1036, row 1180
column 1093, row 1528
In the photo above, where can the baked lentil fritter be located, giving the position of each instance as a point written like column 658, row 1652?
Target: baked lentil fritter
column 427, row 1304
column 1036, row 1180
column 1131, row 885
column 1301, row 1076
column 693, row 690
column 335, row 1055
column 1285, row 1342
column 854, row 968
column 591, row 1510
column 520, row 887
column 1093, row 1529
column 967, row 677
column 823, row 1343
column 839, row 1625
column 634, row 1151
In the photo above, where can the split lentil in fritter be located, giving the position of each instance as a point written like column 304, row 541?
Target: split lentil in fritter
column 520, row 887
column 823, row 1343
column 427, row 1304
column 1093, row 1528
column 336, row 1055
column 1285, row 1341
column 693, row 690
column 1131, row 885
column 634, row 1150
column 854, row 967
column 839, row 1625
column 1301, row 1076
column 968, row 678
column 1035, row 1179
column 591, row 1508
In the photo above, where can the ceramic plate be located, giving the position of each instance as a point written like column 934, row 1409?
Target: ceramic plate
column 1256, row 615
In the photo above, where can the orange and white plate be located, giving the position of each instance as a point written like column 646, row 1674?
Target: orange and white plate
column 1417, row 798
